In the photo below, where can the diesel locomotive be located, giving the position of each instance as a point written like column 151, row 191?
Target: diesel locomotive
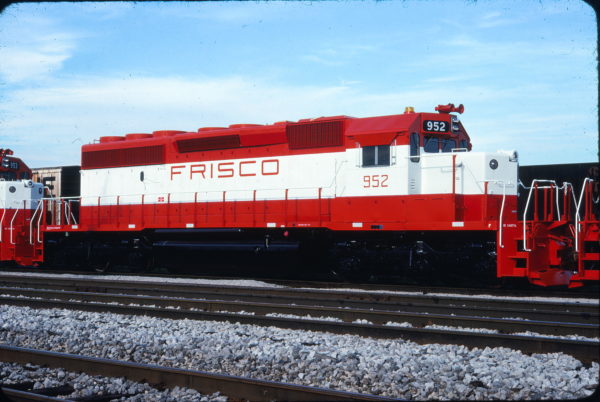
column 400, row 193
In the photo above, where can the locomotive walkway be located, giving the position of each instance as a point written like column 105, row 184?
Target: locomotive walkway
column 373, row 314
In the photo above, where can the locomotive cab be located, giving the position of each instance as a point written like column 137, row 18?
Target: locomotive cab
column 443, row 151
column 12, row 168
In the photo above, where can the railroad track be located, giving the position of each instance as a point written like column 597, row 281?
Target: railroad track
column 407, row 302
column 364, row 314
column 199, row 308
column 591, row 291
column 384, row 295
column 237, row 388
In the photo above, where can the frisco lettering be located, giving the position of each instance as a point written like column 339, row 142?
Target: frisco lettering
column 210, row 170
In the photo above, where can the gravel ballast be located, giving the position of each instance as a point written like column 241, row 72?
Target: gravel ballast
column 395, row 368
column 87, row 386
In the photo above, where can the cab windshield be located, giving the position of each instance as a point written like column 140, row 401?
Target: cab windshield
column 435, row 144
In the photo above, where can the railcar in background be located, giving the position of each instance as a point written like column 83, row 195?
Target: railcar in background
column 400, row 193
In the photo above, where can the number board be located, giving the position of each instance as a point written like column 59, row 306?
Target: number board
column 435, row 126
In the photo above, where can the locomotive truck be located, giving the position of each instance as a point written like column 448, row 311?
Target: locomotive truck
column 403, row 192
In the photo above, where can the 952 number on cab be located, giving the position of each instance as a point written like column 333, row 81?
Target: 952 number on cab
column 435, row 126
column 375, row 181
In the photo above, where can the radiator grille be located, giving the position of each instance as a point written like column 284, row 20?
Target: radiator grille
column 315, row 135
column 151, row 155
column 208, row 143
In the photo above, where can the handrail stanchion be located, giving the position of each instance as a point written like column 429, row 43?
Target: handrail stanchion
column 533, row 189
column 11, row 229
column 40, row 219
column 31, row 222
column 2, row 222
column 556, row 197
column 67, row 211
column 502, row 213
column 577, row 218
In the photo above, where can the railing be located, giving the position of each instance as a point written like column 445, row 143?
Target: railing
column 2, row 223
column 555, row 192
column 501, row 217
column 588, row 210
column 62, row 209
column 534, row 190
column 37, row 209
column 11, row 229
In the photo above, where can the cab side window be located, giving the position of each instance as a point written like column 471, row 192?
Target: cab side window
column 377, row 155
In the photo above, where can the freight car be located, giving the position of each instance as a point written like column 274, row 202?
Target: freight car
column 395, row 193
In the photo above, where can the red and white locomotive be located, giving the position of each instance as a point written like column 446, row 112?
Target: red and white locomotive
column 404, row 186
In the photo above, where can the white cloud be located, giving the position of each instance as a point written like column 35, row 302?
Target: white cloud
column 19, row 65
column 321, row 60
column 33, row 49
column 46, row 126
column 339, row 54
column 467, row 46
column 494, row 19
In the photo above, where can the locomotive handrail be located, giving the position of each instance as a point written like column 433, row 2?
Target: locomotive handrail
column 2, row 222
column 38, row 208
column 566, row 185
column 39, row 222
column 432, row 154
column 577, row 224
column 11, row 224
column 121, row 196
column 555, row 187
column 60, row 198
column 70, row 212
column 500, row 221
column 533, row 186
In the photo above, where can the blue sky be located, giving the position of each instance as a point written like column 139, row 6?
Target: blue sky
column 72, row 72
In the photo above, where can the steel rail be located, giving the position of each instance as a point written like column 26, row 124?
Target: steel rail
column 14, row 395
column 302, row 294
column 586, row 351
column 242, row 388
column 504, row 325
column 589, row 291
column 555, row 313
